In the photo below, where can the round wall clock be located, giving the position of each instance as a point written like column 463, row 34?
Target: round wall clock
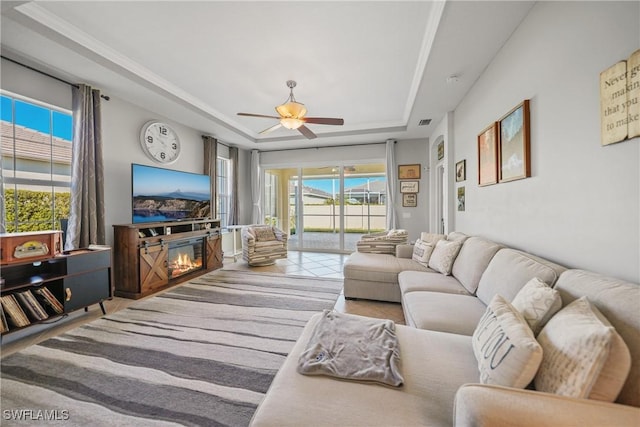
column 160, row 142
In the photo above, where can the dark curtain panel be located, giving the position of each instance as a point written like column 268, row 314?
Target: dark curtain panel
column 233, row 203
column 210, row 163
column 86, row 218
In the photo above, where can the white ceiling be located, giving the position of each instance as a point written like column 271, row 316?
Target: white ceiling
column 382, row 66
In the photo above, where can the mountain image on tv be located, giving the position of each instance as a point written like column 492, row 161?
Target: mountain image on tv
column 168, row 195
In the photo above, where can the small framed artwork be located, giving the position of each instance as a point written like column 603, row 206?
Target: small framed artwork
column 488, row 156
column 409, row 200
column 409, row 171
column 461, row 171
column 409, row 186
column 514, row 152
column 461, row 199
column 441, row 150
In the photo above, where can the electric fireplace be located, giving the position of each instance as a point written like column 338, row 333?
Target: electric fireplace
column 185, row 256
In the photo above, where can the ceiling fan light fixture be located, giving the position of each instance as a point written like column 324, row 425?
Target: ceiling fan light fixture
column 291, row 123
column 291, row 109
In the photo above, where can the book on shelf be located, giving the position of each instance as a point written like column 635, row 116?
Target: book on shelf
column 4, row 327
column 31, row 306
column 47, row 298
column 14, row 313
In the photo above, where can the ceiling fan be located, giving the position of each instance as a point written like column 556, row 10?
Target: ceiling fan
column 292, row 116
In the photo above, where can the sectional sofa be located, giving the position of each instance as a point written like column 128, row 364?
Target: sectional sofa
column 446, row 379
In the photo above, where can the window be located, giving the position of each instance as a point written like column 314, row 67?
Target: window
column 223, row 172
column 35, row 164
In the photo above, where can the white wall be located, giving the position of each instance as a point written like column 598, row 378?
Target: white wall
column 121, row 124
column 121, row 127
column 581, row 205
column 414, row 220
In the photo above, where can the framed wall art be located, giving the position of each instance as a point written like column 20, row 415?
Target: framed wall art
column 488, row 156
column 461, row 171
column 409, row 171
column 409, row 200
column 409, row 186
column 461, row 199
column 441, row 151
column 514, row 150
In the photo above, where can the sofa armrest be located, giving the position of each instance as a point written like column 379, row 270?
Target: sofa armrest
column 489, row 405
column 404, row 251
column 280, row 235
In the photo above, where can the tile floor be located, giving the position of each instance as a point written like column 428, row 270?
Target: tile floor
column 314, row 264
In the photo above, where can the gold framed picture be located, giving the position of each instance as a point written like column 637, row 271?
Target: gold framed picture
column 514, row 149
column 409, row 171
column 488, row 156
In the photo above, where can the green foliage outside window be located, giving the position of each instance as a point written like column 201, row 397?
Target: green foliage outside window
column 34, row 210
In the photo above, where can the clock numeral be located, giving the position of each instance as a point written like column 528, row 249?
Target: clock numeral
column 174, row 146
column 162, row 155
column 150, row 139
column 163, row 130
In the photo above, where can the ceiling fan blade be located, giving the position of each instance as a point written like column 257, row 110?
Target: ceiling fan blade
column 307, row 132
column 323, row 120
column 272, row 128
column 258, row 115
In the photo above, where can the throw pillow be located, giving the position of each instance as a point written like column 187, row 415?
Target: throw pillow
column 537, row 302
column 263, row 233
column 505, row 348
column 422, row 252
column 616, row 368
column 576, row 346
column 443, row 256
column 397, row 233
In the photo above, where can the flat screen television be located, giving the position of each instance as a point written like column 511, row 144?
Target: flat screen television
column 160, row 194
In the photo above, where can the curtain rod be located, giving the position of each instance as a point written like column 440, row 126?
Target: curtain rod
column 105, row 97
column 218, row 141
column 326, row 146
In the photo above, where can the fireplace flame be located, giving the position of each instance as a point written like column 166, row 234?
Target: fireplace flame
column 183, row 264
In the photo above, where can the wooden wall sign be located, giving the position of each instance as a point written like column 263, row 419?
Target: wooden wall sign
column 620, row 100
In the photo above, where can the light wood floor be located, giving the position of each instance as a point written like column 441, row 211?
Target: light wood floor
column 312, row 264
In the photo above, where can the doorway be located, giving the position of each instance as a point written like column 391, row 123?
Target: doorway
column 326, row 208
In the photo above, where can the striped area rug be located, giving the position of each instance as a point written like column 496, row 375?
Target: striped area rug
column 202, row 354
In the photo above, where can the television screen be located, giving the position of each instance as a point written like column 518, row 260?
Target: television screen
column 167, row 195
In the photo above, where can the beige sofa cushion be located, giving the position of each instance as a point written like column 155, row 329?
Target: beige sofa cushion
column 472, row 261
column 444, row 312
column 412, row 281
column 507, row 352
column 431, row 237
column 378, row 267
column 510, row 269
column 436, row 365
column 537, row 302
column 618, row 301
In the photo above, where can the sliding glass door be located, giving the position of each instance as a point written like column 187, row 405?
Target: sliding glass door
column 326, row 208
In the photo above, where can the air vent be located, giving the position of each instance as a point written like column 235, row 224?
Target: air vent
column 424, row 122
